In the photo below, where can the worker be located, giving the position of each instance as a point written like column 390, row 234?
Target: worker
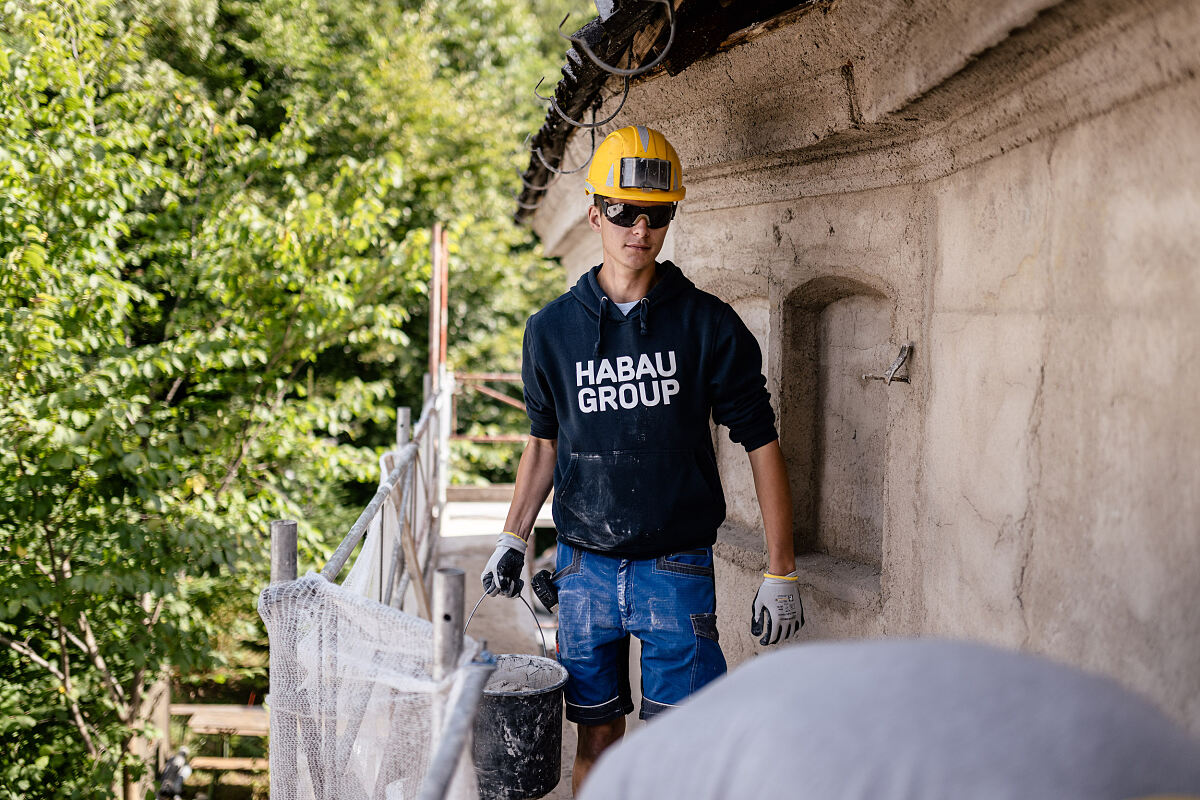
column 621, row 376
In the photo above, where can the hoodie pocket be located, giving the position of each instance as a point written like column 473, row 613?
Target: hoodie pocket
column 620, row 496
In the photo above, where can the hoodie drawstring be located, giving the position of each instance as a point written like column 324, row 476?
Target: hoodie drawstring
column 600, row 327
column 644, row 319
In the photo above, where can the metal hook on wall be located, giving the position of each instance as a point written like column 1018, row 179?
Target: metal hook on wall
column 891, row 375
column 554, row 104
column 578, row 41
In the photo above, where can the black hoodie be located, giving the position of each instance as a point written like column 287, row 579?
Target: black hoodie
column 628, row 398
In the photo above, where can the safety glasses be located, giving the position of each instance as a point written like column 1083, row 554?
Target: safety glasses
column 626, row 214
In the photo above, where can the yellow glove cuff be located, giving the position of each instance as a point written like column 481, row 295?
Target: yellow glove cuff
column 781, row 577
column 510, row 533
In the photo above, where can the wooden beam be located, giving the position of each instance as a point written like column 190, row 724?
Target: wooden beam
column 187, row 709
column 245, row 721
column 412, row 565
column 229, row 764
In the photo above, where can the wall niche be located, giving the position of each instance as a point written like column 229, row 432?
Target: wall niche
column 833, row 424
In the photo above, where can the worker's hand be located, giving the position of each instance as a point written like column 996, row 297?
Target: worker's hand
column 777, row 612
column 502, row 575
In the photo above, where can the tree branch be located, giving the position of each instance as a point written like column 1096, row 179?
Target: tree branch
column 92, row 649
column 135, row 692
column 82, row 726
column 27, row 651
column 174, row 388
column 69, row 689
column 64, row 670
column 158, row 607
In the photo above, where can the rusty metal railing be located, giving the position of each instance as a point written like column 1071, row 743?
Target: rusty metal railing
column 477, row 382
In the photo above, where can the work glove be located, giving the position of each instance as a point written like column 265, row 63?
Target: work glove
column 502, row 575
column 777, row 612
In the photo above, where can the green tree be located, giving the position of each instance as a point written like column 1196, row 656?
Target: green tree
column 214, row 226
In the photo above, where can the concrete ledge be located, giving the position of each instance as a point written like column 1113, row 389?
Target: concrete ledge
column 491, row 493
column 842, row 598
column 840, row 579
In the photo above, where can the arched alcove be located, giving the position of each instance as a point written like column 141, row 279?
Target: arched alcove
column 833, row 424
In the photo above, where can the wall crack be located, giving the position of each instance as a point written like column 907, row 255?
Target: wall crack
column 856, row 117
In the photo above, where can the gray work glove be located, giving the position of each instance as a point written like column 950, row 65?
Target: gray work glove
column 502, row 575
column 777, row 612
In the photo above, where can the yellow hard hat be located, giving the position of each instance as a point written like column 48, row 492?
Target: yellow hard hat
column 636, row 163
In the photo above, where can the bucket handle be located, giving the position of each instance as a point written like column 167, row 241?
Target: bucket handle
column 541, row 632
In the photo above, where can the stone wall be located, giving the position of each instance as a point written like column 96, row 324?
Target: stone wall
column 1014, row 188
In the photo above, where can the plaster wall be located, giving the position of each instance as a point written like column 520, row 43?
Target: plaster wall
column 1016, row 192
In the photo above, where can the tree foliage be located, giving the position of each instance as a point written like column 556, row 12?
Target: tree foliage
column 214, row 229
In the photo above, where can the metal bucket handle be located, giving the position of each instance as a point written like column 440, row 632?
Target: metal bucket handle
column 532, row 613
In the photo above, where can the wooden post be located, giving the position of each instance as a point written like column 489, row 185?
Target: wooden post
column 283, row 550
column 448, row 584
column 403, row 426
column 412, row 564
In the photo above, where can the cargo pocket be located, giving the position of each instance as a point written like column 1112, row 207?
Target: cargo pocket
column 709, row 662
column 571, row 567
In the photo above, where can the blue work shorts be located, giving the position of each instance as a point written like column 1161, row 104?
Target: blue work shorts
column 669, row 603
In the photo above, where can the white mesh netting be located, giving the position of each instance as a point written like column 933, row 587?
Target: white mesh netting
column 354, row 707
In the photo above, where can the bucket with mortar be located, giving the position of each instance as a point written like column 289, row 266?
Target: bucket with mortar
column 518, row 730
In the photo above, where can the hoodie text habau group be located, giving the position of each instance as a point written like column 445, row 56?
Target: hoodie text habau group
column 618, row 383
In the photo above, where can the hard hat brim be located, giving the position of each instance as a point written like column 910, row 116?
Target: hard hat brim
column 648, row 195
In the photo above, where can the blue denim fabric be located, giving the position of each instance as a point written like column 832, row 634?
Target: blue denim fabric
column 669, row 603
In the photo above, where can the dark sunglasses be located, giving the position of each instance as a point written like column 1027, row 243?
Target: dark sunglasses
column 626, row 215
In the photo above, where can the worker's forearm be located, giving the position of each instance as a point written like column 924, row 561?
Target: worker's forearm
column 535, row 476
column 775, row 501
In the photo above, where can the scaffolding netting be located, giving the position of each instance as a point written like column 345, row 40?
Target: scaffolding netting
column 355, row 710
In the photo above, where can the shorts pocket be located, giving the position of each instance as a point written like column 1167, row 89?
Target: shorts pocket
column 708, row 664
column 697, row 563
column 571, row 566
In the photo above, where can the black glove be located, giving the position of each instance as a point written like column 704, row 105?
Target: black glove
column 502, row 575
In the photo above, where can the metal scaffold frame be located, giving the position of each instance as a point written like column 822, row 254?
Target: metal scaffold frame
column 406, row 514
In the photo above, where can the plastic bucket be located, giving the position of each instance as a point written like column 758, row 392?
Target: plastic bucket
column 518, row 730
